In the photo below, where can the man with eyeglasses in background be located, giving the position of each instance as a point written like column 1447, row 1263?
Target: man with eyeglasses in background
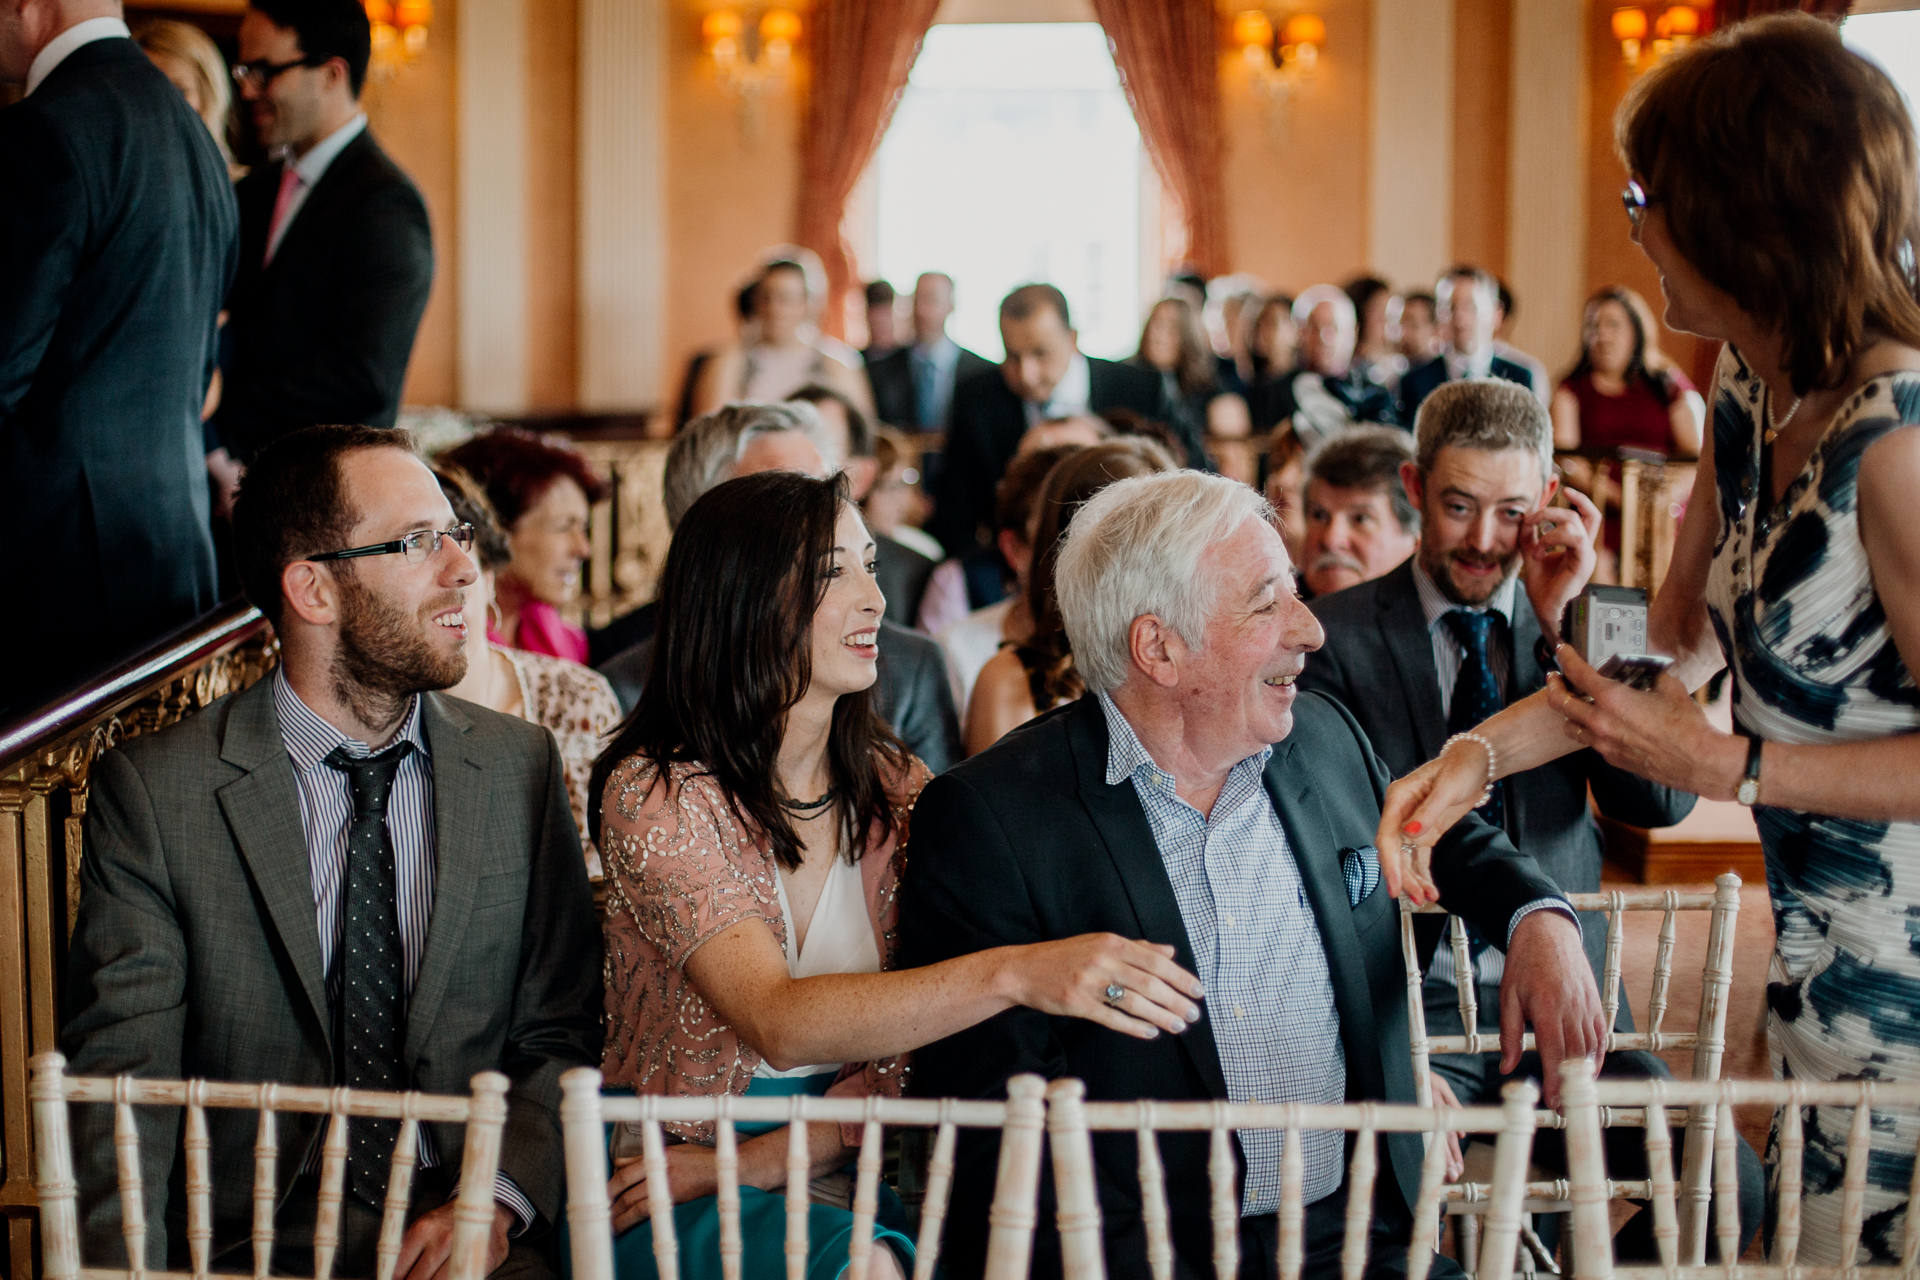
column 338, row 877
column 118, row 237
column 336, row 255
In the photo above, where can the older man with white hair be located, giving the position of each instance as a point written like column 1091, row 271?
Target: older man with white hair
column 1196, row 799
column 1326, row 395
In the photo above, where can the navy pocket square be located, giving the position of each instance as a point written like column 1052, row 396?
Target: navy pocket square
column 1360, row 868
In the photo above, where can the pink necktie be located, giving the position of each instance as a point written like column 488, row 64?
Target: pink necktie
column 289, row 183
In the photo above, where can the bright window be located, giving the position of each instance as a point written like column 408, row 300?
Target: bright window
column 1014, row 158
column 1893, row 41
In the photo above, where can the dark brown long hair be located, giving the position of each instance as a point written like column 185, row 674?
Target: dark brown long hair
column 732, row 655
column 1193, row 365
column 1783, row 163
column 1075, row 479
column 1648, row 363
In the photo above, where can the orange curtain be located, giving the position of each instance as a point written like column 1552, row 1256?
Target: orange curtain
column 1166, row 53
column 861, row 52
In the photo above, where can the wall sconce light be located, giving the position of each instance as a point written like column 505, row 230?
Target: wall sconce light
column 399, row 32
column 1280, row 61
column 1674, row 28
column 751, row 58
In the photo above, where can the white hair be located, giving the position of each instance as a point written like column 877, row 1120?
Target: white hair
column 707, row 449
column 1330, row 293
column 1134, row 549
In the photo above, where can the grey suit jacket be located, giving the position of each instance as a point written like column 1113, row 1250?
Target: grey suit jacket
column 197, row 954
column 1378, row 663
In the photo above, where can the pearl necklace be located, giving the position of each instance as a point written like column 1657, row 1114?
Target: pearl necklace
column 1775, row 428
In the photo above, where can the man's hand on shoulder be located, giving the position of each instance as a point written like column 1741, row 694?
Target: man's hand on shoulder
column 1549, row 984
column 427, row 1248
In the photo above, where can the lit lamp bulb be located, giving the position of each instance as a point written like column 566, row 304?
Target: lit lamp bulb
column 1678, row 25
column 779, row 28
column 1630, row 28
column 720, row 29
column 1301, row 39
column 1253, row 32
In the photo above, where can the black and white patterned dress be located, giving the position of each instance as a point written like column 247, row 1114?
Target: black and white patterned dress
column 1814, row 661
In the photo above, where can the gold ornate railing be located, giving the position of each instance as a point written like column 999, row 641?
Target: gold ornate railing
column 45, row 762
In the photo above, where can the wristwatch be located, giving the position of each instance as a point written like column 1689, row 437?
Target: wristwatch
column 1748, row 792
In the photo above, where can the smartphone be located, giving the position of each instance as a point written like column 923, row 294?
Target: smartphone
column 1637, row 670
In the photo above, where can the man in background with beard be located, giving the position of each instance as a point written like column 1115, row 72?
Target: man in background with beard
column 338, row 847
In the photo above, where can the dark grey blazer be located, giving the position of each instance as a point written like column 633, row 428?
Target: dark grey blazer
column 196, row 952
column 1378, row 662
column 1027, row 842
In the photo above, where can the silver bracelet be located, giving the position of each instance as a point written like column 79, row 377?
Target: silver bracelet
column 1487, row 794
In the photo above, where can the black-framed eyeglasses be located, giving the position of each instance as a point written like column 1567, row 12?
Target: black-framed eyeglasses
column 1634, row 197
column 262, row 74
column 418, row 547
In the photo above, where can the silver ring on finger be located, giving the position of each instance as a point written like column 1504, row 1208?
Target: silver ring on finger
column 1115, row 994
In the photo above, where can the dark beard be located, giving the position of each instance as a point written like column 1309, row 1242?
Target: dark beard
column 1438, row 569
column 383, row 658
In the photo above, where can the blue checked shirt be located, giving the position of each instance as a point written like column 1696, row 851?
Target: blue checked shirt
column 1257, row 947
column 326, row 811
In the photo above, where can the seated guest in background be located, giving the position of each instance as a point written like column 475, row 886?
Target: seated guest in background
column 883, row 320
column 1505, row 308
column 543, row 492
column 894, row 505
column 1173, row 345
column 1231, row 302
column 1285, row 486
column 1420, row 339
column 1044, row 377
column 1359, row 524
column 1273, row 353
column 117, row 242
column 903, row 572
column 339, row 846
column 1326, row 394
column 913, row 387
column 782, row 349
column 336, row 255
column 1376, row 348
column 1467, row 308
column 1038, row 674
column 191, row 62
column 1196, row 798
column 572, row 702
column 752, row 814
column 746, row 439
column 1440, row 643
column 977, row 636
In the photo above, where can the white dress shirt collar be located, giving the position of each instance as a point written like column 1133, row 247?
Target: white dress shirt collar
column 1435, row 605
column 323, row 153
column 1071, row 394
column 67, row 41
column 1470, row 364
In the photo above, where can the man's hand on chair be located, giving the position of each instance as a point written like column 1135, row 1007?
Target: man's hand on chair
column 427, row 1247
column 1549, row 984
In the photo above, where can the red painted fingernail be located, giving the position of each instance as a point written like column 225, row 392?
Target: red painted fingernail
column 1412, row 828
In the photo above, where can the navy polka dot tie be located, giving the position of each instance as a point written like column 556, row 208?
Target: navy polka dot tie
column 371, row 1020
column 1476, row 694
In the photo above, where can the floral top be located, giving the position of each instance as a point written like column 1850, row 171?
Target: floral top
column 681, row 869
column 577, row 705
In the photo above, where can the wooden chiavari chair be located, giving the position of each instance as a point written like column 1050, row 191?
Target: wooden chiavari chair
column 1707, row 1040
column 1071, row 1120
column 52, row 1090
column 1587, row 1100
column 584, row 1112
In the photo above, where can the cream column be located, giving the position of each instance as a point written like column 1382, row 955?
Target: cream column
column 1547, row 168
column 622, row 213
column 1410, row 162
column 491, row 290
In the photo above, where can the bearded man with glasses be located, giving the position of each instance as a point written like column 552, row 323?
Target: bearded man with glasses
column 340, row 845
column 336, row 255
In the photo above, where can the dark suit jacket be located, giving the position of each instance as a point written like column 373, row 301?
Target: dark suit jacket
column 117, row 241
column 1421, row 381
column 1378, row 663
column 1026, row 842
column 323, row 332
column 985, row 426
column 902, row 574
column 891, row 377
column 196, row 951
column 912, row 693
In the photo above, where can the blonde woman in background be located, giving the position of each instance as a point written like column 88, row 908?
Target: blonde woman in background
column 188, row 57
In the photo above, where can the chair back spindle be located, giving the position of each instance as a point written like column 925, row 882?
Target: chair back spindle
column 1079, row 1207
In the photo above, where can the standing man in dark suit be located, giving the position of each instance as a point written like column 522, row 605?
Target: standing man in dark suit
column 1467, row 308
column 1195, row 799
column 1043, row 377
column 117, row 243
column 338, row 846
column 1456, row 633
column 913, row 385
column 336, row 256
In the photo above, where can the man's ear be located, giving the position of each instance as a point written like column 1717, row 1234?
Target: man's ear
column 1156, row 649
column 1546, row 494
column 1415, row 484
column 311, row 593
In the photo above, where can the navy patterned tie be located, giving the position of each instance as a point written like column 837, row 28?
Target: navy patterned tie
column 1476, row 694
column 371, row 1020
